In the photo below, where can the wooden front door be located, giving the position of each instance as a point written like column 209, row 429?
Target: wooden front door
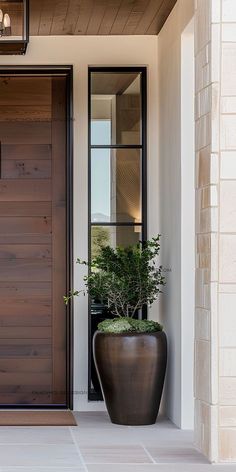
column 33, row 240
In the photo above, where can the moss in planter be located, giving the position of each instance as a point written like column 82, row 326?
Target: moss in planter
column 129, row 325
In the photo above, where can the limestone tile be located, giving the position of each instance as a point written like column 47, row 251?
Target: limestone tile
column 215, row 52
column 204, row 167
column 205, row 101
column 205, row 220
column 228, row 104
column 105, row 453
column 198, row 73
column 214, row 168
column 202, row 60
column 202, row 22
column 214, row 219
column 206, row 429
column 213, row 195
column 204, row 261
column 227, row 320
column 202, row 427
column 206, row 276
column 176, row 455
column 228, row 32
column 204, row 243
column 227, row 288
column 203, row 131
column 227, row 391
column 202, row 370
column 227, row 416
column 207, row 296
column 228, row 132
column 199, row 280
column 202, row 324
column 197, row 210
column 228, row 83
column 208, row 196
column 215, row 117
column 227, row 258
column 39, row 455
column 228, row 165
column 227, row 362
column 228, row 206
column 206, row 75
column 214, row 349
column 228, row 10
column 227, row 444
column 197, row 106
column 214, row 257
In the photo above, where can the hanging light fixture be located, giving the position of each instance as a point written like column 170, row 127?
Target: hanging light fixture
column 14, row 26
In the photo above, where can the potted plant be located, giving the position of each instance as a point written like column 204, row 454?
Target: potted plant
column 130, row 354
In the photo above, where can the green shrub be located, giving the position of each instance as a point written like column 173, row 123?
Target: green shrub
column 128, row 325
column 124, row 280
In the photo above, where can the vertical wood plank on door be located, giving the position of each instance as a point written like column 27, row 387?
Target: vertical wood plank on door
column 59, row 237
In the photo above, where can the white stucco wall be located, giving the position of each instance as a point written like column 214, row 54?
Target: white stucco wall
column 82, row 52
column 177, row 253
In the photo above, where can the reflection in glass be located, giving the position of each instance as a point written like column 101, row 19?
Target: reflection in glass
column 113, row 236
column 101, row 132
column 116, row 185
column 116, row 98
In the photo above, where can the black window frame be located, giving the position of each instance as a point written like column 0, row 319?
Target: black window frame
column 93, row 395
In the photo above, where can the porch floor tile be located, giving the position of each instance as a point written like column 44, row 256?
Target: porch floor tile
column 96, row 445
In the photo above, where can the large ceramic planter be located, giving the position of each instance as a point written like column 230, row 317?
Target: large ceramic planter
column 131, row 369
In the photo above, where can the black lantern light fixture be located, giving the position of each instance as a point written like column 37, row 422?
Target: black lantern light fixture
column 14, row 26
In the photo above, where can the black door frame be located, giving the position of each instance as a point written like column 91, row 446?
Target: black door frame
column 66, row 70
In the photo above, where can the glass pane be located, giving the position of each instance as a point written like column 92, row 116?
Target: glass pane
column 101, row 132
column 113, row 236
column 116, row 98
column 13, row 12
column 116, row 185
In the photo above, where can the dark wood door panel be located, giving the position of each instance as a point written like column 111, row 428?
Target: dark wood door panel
column 23, row 91
column 25, row 133
column 27, row 332
column 17, row 190
column 25, row 400
column 38, row 292
column 25, row 307
column 25, row 348
column 15, row 238
column 25, row 365
column 26, row 151
column 33, row 240
column 25, row 208
column 25, row 113
column 25, row 270
column 23, row 225
column 25, row 251
column 22, row 382
column 25, row 319
column 26, row 169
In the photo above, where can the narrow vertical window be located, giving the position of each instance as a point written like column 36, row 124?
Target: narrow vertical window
column 117, row 171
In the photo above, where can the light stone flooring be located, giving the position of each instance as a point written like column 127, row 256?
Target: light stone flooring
column 96, row 445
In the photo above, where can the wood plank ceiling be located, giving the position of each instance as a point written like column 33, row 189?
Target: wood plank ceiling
column 98, row 17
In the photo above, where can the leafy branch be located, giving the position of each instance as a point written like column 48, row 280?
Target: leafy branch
column 124, row 279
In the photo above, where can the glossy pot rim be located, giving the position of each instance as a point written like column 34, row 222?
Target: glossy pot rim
column 129, row 334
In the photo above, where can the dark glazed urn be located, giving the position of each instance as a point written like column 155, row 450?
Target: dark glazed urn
column 131, row 369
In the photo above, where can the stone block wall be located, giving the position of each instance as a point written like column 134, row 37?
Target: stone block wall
column 215, row 327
